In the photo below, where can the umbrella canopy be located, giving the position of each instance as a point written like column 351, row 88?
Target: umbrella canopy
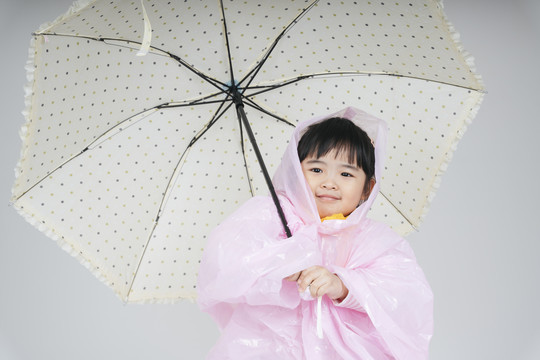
column 129, row 161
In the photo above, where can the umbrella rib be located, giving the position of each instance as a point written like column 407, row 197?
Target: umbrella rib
column 399, row 211
column 226, row 33
column 266, row 88
column 90, row 146
column 215, row 82
column 253, row 73
column 219, row 113
column 117, row 126
column 256, row 106
column 47, row 175
column 193, row 103
column 435, row 81
column 242, row 145
column 170, row 184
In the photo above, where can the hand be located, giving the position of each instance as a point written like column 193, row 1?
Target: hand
column 320, row 282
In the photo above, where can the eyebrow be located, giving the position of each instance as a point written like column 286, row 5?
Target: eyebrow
column 345, row 165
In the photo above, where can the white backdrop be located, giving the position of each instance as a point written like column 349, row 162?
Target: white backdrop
column 478, row 245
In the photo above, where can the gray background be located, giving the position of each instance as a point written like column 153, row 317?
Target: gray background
column 479, row 244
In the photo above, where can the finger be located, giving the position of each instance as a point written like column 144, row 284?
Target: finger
column 305, row 280
column 293, row 277
column 313, row 291
column 318, row 287
column 309, row 275
column 333, row 289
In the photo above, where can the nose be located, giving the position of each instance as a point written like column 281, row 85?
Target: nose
column 329, row 184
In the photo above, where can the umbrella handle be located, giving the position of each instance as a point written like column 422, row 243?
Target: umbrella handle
column 242, row 116
column 319, row 318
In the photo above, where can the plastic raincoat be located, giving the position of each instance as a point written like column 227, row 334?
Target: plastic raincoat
column 387, row 313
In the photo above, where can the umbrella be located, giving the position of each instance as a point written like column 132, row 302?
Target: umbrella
column 139, row 117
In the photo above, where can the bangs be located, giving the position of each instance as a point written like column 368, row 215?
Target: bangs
column 340, row 147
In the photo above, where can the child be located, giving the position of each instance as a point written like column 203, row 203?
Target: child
column 372, row 299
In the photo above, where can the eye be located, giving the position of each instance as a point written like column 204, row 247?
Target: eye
column 346, row 174
column 316, row 170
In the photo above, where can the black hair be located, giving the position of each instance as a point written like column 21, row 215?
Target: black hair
column 341, row 135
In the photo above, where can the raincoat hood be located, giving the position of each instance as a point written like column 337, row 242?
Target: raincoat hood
column 289, row 180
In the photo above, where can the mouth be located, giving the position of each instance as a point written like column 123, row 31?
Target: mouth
column 327, row 197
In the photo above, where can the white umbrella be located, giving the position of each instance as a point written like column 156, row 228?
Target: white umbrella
column 129, row 161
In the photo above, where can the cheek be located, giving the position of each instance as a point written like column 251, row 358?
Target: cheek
column 355, row 191
column 310, row 180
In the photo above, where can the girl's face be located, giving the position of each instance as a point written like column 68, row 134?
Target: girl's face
column 336, row 184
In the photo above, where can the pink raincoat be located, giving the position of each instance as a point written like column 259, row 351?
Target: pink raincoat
column 387, row 313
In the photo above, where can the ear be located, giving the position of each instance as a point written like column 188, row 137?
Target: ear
column 371, row 184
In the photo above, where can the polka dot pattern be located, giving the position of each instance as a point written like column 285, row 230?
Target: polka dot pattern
column 395, row 37
column 123, row 167
column 86, row 87
column 211, row 176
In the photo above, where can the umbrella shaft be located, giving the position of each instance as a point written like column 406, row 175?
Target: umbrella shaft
column 242, row 116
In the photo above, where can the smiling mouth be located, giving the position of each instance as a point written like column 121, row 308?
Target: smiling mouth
column 327, row 198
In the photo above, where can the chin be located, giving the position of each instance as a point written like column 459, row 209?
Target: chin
column 324, row 214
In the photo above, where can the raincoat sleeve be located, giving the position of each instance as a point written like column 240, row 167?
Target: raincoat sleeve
column 248, row 256
column 391, row 289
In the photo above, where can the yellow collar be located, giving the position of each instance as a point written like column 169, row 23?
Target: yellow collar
column 334, row 217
